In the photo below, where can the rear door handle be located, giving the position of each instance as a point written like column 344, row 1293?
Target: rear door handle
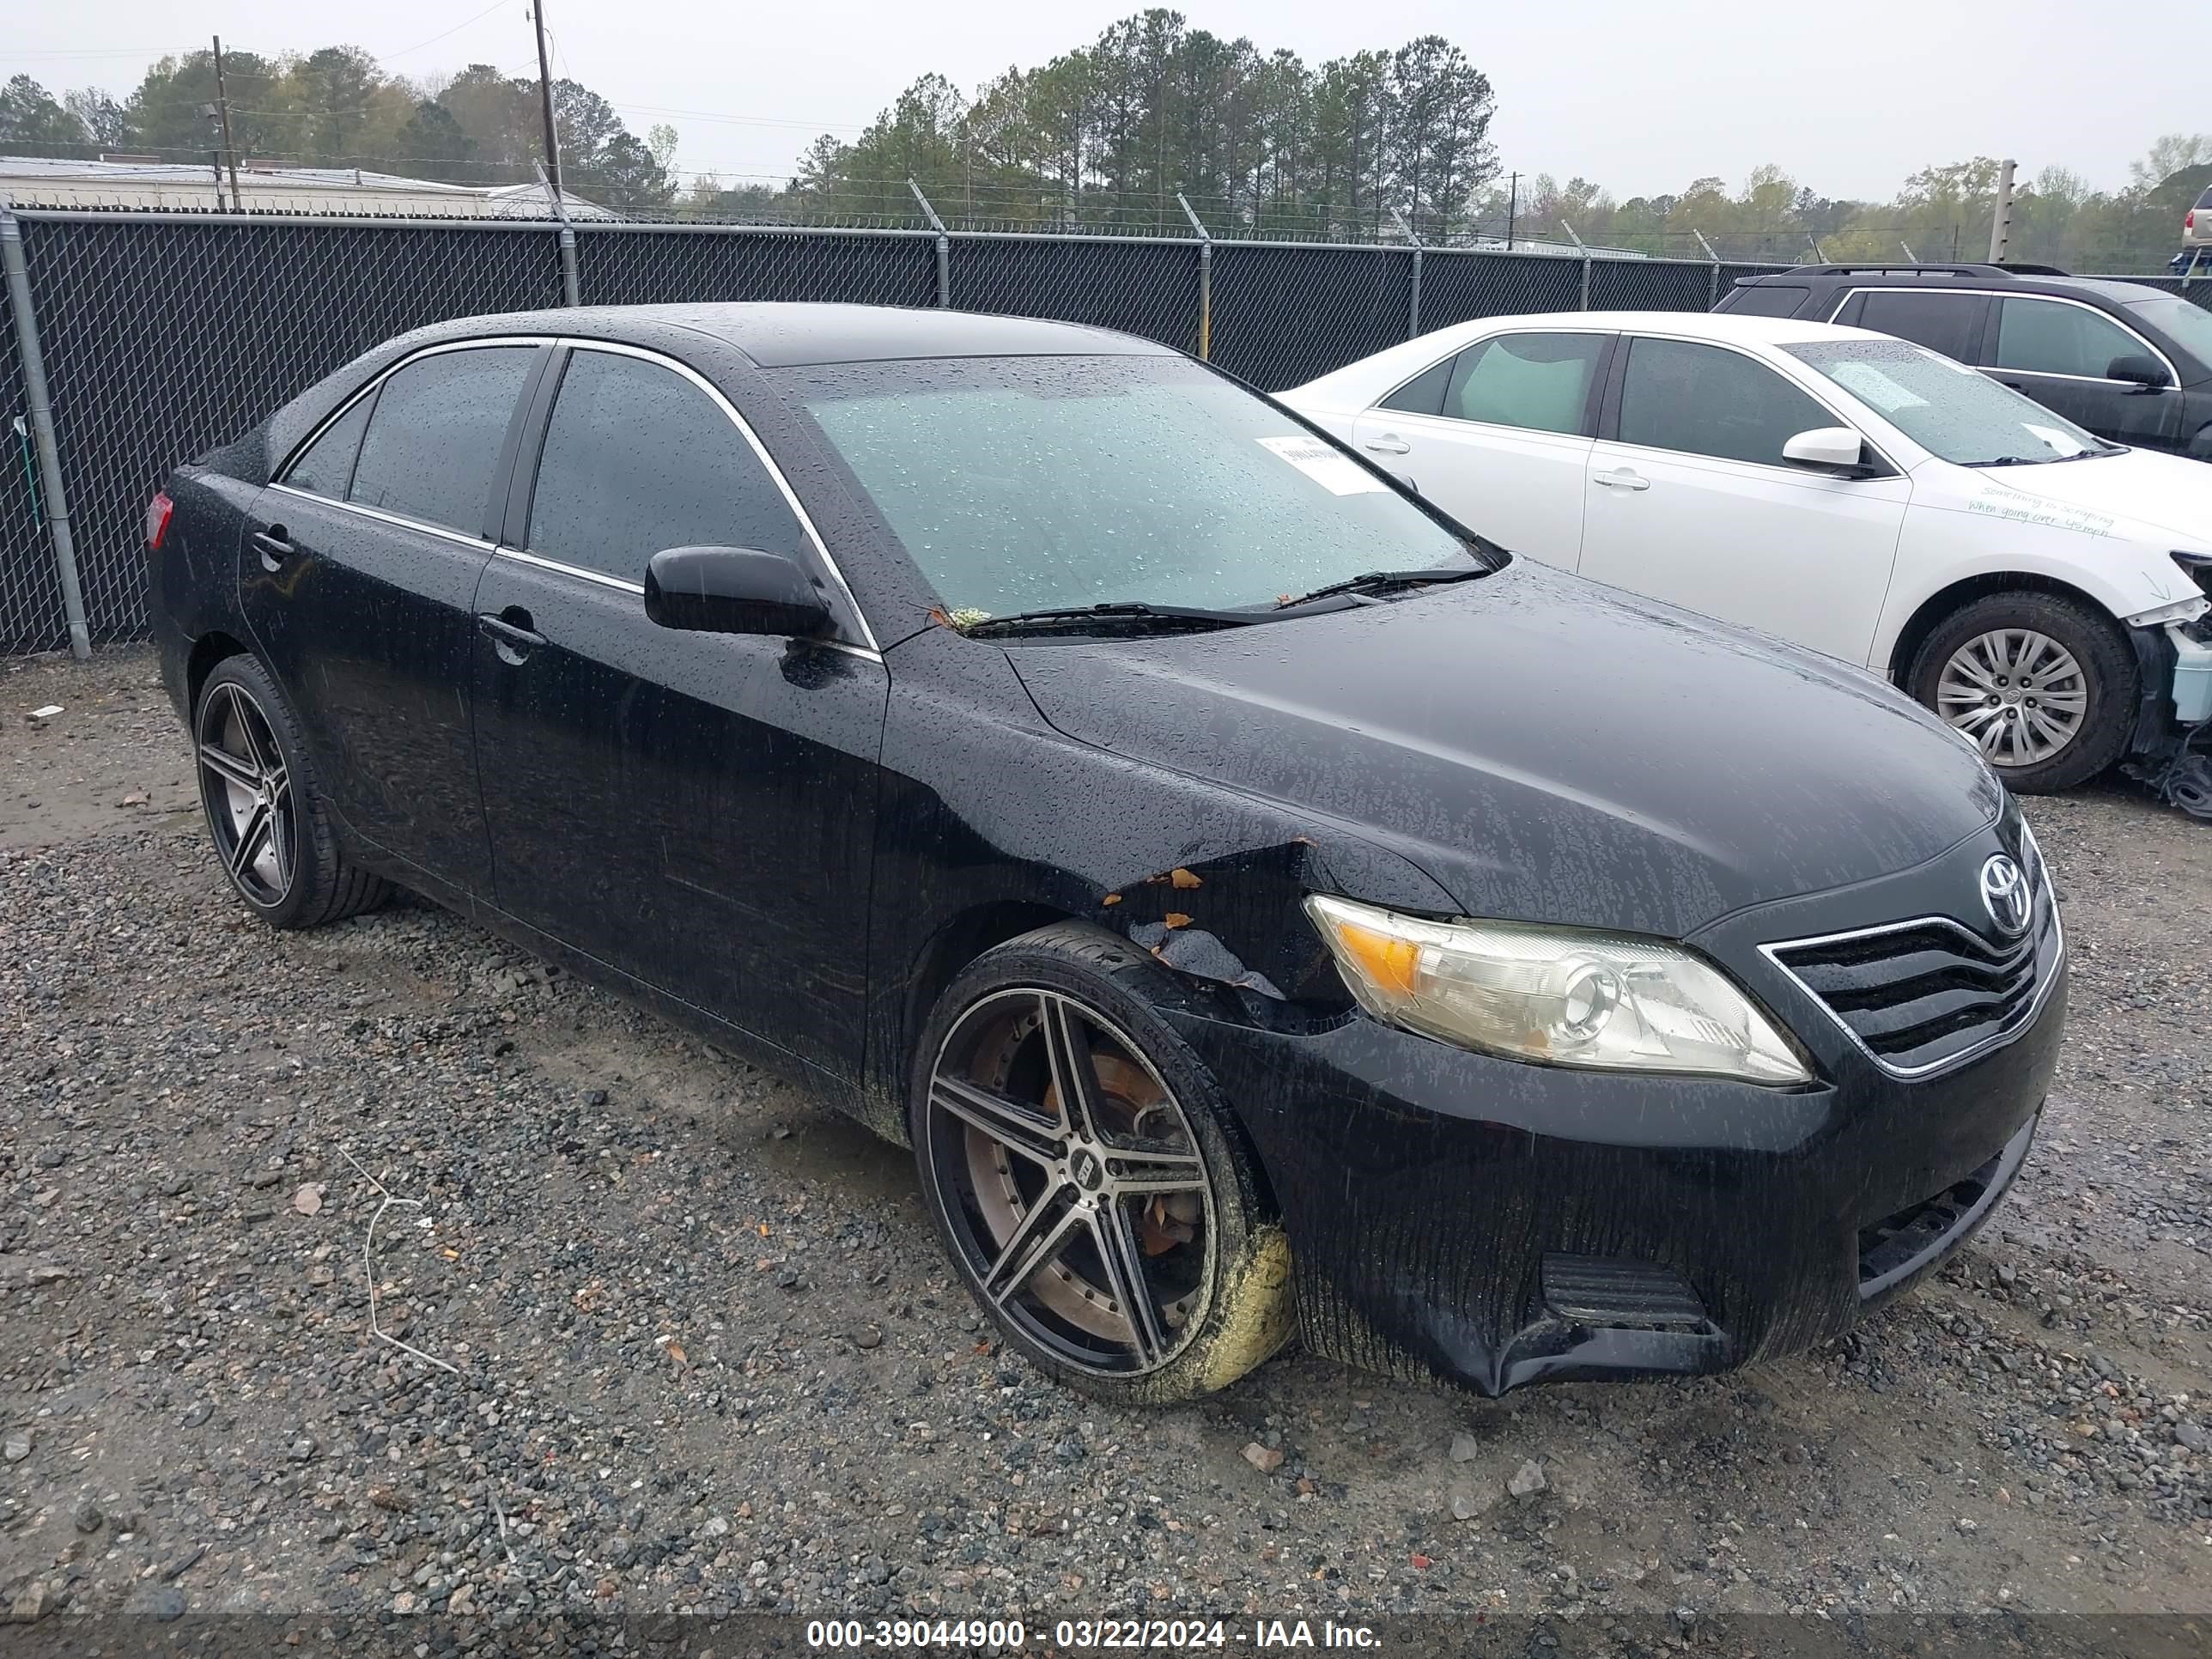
column 1623, row 479
column 510, row 633
column 1388, row 444
column 273, row 547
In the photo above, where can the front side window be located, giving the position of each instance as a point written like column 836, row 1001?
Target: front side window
column 1028, row 483
column 1947, row 409
column 2042, row 336
column 1707, row 400
column 1538, row 381
column 1948, row 323
column 325, row 466
column 638, row 458
column 434, row 440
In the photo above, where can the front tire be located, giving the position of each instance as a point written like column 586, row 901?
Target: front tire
column 1086, row 1177
column 263, row 814
column 2047, row 687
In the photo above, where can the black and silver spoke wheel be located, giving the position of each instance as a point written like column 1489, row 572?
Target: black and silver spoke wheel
column 247, row 791
column 2018, row 693
column 1073, row 1180
column 263, row 811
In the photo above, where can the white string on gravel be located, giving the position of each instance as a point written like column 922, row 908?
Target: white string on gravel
column 369, row 1265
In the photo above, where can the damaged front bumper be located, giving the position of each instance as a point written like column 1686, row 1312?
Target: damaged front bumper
column 1499, row 1224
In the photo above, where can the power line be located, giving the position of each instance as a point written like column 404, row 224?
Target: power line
column 456, row 29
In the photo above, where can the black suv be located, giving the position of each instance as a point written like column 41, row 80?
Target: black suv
column 2132, row 363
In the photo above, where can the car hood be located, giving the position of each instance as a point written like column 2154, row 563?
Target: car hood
column 1544, row 749
column 2163, row 500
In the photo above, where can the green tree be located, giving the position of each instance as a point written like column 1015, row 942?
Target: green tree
column 32, row 122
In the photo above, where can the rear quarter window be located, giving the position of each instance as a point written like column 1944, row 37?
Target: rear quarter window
column 1768, row 300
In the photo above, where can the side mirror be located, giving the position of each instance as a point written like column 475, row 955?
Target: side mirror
column 2138, row 370
column 732, row 590
column 1831, row 448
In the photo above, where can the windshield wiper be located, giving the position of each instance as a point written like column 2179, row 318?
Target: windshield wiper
column 1376, row 582
column 1130, row 614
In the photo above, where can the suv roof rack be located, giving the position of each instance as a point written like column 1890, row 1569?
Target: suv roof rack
column 1923, row 269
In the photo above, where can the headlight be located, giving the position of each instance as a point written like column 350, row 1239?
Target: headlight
column 1611, row 1001
column 2199, row 568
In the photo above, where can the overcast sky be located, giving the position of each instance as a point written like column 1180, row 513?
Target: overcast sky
column 1642, row 97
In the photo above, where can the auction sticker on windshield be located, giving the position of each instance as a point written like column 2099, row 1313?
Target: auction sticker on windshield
column 1339, row 475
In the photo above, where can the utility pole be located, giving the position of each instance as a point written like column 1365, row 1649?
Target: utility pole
column 222, row 107
column 1512, row 202
column 2001, row 220
column 545, row 100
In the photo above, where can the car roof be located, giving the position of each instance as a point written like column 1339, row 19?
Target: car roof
column 1994, row 279
column 1738, row 326
column 778, row 334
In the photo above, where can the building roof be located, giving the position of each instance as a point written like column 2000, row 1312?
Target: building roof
column 40, row 180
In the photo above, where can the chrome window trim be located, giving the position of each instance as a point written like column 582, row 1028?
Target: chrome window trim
column 399, row 518
column 2045, row 982
column 760, row 453
column 292, row 459
column 869, row 645
column 1994, row 369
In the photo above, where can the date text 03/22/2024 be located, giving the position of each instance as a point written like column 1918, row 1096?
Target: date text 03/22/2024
column 1087, row 1635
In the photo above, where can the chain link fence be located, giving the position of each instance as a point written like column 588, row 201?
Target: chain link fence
column 165, row 335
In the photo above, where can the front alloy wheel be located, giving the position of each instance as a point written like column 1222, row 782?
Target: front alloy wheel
column 1087, row 1176
column 2019, row 693
column 1082, row 1208
column 247, row 791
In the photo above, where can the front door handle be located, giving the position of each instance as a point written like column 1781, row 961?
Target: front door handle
column 274, row 547
column 510, row 633
column 1623, row 479
column 1388, row 444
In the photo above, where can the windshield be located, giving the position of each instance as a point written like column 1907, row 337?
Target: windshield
column 1029, row 483
column 1947, row 409
column 2184, row 322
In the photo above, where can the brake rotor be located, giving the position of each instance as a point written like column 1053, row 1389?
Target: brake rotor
column 1136, row 1107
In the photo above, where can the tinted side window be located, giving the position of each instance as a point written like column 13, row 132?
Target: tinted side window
column 434, row 440
column 1703, row 400
column 325, row 466
column 1540, row 381
column 1425, row 394
column 2040, row 336
column 1767, row 299
column 1948, row 323
column 638, row 458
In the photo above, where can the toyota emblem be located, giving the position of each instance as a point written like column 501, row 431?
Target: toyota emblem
column 2005, row 896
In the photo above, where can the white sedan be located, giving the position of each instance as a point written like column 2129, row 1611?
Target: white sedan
column 2044, row 591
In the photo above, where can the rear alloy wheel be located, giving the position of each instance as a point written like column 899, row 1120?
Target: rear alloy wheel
column 269, row 830
column 2044, row 686
column 1074, row 1154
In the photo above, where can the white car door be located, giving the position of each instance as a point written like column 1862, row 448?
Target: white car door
column 1689, row 501
column 1498, row 436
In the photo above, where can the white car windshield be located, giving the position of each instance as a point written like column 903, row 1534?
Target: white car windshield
column 1947, row 409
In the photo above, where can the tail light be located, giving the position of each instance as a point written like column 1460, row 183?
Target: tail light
column 2189, row 222
column 157, row 519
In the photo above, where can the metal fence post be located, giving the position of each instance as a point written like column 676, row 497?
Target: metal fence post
column 1578, row 243
column 1205, row 280
column 42, row 431
column 1413, row 298
column 1713, row 280
column 571, row 290
column 944, row 247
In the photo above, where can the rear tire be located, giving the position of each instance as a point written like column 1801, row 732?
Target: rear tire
column 1142, row 1196
column 264, row 813
column 2046, row 685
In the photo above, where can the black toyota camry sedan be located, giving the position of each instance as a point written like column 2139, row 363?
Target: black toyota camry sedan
column 1263, row 905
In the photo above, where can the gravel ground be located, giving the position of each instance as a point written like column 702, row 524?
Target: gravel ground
column 680, row 1338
